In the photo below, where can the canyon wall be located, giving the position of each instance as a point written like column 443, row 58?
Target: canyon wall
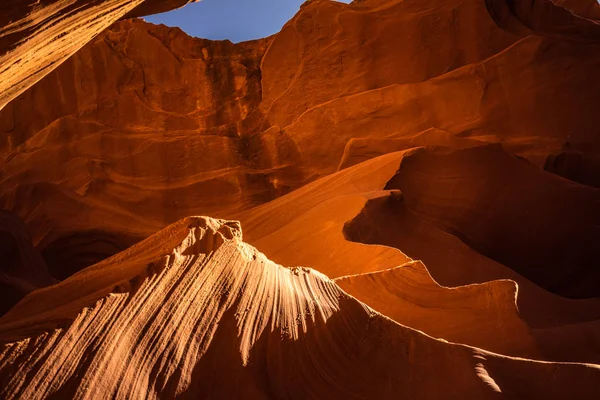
column 146, row 125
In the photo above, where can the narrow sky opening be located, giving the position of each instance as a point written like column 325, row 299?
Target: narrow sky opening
column 236, row 20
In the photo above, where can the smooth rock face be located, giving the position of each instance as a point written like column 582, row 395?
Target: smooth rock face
column 576, row 166
column 410, row 296
column 585, row 8
column 545, row 228
column 336, row 49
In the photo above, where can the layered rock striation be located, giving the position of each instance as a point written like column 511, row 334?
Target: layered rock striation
column 146, row 125
column 37, row 36
column 193, row 309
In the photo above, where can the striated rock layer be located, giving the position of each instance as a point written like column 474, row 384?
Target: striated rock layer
column 326, row 224
column 194, row 312
column 157, row 118
column 146, row 125
column 357, row 141
column 37, row 36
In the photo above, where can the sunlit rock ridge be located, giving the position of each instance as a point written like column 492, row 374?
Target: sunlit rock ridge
column 418, row 182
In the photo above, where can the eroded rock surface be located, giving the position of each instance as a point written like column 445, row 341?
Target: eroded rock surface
column 145, row 125
column 37, row 36
column 146, row 118
column 351, row 145
column 193, row 309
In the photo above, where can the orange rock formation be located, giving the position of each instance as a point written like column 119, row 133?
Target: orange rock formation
column 138, row 104
column 22, row 268
column 423, row 175
column 194, row 312
column 37, row 36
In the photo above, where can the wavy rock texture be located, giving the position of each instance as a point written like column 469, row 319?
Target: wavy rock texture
column 37, row 36
column 359, row 140
column 543, row 227
column 389, row 221
column 160, row 126
column 482, row 315
column 347, row 42
column 315, row 226
column 291, row 333
column 143, row 104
